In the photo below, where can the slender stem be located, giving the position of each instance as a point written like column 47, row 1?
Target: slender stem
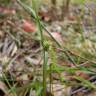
column 45, row 58
column 51, row 89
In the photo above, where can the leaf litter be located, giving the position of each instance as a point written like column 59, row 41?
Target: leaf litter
column 21, row 57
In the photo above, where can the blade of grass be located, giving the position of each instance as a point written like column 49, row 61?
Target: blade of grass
column 45, row 53
column 86, row 82
column 11, row 88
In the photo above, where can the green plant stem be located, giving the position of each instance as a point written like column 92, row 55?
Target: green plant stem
column 44, row 57
column 45, row 53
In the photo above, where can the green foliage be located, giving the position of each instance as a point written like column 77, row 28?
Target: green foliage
column 86, row 82
column 4, row 2
column 78, row 1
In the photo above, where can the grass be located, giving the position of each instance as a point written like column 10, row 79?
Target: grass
column 44, row 53
column 65, row 51
column 76, row 56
